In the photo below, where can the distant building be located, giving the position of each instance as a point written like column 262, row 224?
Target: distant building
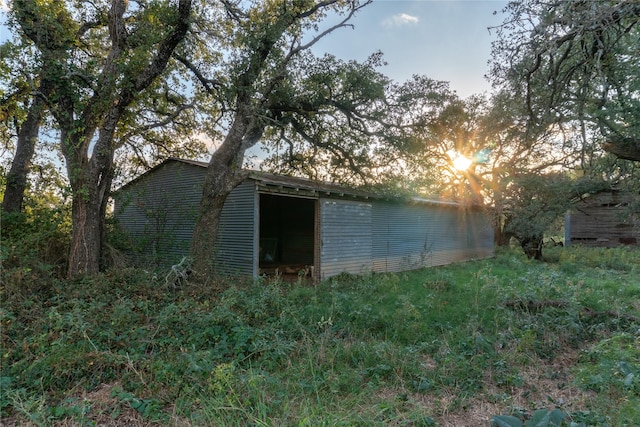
column 606, row 219
column 278, row 224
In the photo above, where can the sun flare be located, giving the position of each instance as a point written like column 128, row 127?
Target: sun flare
column 462, row 163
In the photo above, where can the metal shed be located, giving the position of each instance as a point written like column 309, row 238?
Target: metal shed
column 606, row 219
column 285, row 225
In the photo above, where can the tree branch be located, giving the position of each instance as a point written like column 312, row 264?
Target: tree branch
column 210, row 85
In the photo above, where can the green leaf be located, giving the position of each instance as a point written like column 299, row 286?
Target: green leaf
column 541, row 418
column 506, row 421
column 546, row 418
column 628, row 379
column 557, row 416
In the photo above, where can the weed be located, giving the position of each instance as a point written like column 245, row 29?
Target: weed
column 393, row 349
column 540, row 418
column 149, row 408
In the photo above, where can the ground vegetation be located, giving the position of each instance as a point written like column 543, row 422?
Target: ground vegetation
column 501, row 339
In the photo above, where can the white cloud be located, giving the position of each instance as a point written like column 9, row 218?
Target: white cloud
column 4, row 6
column 400, row 20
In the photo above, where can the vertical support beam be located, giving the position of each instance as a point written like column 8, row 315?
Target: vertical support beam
column 256, row 232
column 317, row 242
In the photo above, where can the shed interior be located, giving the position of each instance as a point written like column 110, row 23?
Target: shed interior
column 287, row 235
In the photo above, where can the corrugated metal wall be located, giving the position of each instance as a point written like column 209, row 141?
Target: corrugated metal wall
column 345, row 237
column 158, row 212
column 410, row 236
column 479, row 235
column 237, row 248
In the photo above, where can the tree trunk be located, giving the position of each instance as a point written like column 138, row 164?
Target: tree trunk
column 624, row 148
column 205, row 234
column 84, row 256
column 501, row 238
column 532, row 247
column 224, row 173
column 91, row 185
column 81, row 111
column 21, row 164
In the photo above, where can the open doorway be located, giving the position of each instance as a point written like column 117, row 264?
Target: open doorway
column 287, row 236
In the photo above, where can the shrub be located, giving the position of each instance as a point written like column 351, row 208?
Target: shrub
column 34, row 244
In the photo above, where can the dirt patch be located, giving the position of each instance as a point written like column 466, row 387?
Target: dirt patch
column 545, row 384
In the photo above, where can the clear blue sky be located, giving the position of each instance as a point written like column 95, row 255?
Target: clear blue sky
column 442, row 39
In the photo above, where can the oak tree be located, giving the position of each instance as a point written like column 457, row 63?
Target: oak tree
column 95, row 60
column 266, row 86
column 575, row 63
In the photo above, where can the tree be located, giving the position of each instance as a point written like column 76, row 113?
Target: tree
column 95, row 61
column 328, row 125
column 23, row 110
column 491, row 137
column 273, row 90
column 576, row 64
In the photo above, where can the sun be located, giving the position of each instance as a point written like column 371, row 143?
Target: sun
column 461, row 162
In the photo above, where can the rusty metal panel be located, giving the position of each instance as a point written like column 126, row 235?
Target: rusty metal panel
column 345, row 237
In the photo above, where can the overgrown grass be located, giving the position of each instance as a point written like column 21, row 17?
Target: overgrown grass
column 452, row 345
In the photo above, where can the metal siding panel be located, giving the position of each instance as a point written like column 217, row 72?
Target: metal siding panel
column 255, row 265
column 481, row 235
column 345, row 230
column 411, row 236
column 159, row 212
column 408, row 237
column 380, row 214
column 452, row 242
column 449, row 239
column 235, row 246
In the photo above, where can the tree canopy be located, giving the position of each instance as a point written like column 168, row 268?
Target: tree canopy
column 108, row 75
column 575, row 64
column 90, row 63
column 117, row 87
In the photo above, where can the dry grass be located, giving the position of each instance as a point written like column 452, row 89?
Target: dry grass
column 546, row 384
column 105, row 411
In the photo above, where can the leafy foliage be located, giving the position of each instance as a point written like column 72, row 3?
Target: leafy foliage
column 575, row 65
column 541, row 418
column 413, row 348
column 33, row 244
column 534, row 202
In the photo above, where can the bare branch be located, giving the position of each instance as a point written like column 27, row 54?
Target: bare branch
column 341, row 24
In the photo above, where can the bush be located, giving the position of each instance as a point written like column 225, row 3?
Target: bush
column 35, row 243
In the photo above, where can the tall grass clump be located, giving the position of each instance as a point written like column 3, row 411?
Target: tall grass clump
column 500, row 337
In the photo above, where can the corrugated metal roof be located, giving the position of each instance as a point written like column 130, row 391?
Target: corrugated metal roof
column 270, row 182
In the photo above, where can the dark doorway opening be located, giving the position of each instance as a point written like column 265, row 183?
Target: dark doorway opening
column 287, row 235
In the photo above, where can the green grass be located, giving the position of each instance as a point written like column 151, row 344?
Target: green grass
column 444, row 346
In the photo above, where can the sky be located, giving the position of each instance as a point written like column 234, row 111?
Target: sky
column 442, row 39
